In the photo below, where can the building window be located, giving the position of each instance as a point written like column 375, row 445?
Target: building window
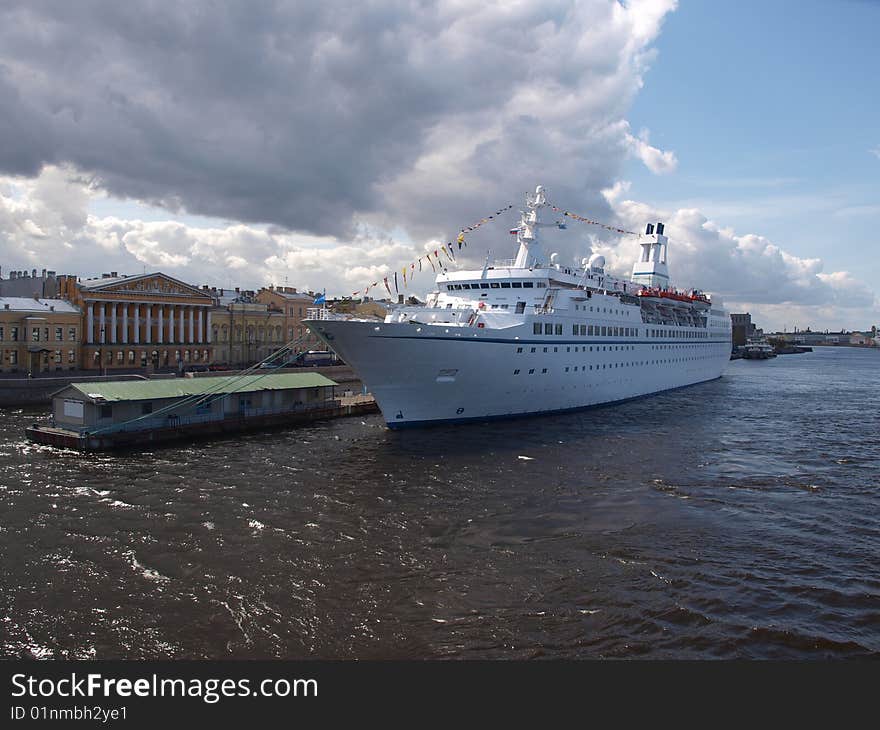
column 71, row 356
column 131, row 357
column 59, row 334
column 106, row 411
column 13, row 334
column 2, row 333
column 71, row 333
column 58, row 356
column 13, row 357
column 120, row 357
column 35, row 334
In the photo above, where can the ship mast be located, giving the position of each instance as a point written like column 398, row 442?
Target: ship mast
column 531, row 253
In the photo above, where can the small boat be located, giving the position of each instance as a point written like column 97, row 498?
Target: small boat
column 757, row 348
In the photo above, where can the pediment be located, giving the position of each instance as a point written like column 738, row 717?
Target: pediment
column 156, row 284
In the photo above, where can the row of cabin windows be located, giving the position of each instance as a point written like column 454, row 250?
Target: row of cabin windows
column 39, row 334
column 612, row 365
column 548, row 328
column 610, row 348
column 498, row 285
column 687, row 334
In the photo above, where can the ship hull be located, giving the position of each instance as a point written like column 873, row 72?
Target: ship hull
column 429, row 374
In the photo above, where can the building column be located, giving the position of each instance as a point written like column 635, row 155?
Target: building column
column 208, row 327
column 113, row 323
column 171, row 325
column 102, row 331
column 159, row 323
column 192, row 335
column 201, row 331
column 125, row 323
column 182, row 336
column 137, row 324
column 90, row 322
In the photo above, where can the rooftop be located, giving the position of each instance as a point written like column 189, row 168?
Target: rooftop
column 128, row 390
column 29, row 304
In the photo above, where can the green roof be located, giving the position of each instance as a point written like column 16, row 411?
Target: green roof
column 122, row 390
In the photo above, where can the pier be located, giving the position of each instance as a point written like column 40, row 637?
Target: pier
column 96, row 416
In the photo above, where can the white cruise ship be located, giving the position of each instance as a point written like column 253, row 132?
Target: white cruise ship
column 532, row 336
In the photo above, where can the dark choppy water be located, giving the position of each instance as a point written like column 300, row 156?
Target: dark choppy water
column 740, row 518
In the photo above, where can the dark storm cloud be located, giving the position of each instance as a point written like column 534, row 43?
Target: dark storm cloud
column 305, row 114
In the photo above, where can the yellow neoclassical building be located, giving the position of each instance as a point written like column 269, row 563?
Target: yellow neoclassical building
column 147, row 320
column 39, row 335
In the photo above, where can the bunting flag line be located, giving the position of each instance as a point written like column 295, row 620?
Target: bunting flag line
column 582, row 219
column 448, row 250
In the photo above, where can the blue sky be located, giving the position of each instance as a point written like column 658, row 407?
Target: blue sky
column 773, row 111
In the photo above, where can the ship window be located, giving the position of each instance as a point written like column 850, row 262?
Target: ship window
column 456, row 286
column 532, row 371
column 604, row 331
column 548, row 329
column 528, row 285
column 558, row 329
column 533, row 349
column 494, row 285
column 545, row 349
column 516, row 372
column 517, row 285
column 505, row 285
column 465, row 286
column 566, row 369
column 540, row 284
column 583, row 329
column 520, row 307
column 574, row 329
column 484, row 286
column 519, row 349
column 544, row 370
column 536, row 328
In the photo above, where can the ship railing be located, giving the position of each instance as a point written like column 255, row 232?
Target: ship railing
column 504, row 263
column 323, row 313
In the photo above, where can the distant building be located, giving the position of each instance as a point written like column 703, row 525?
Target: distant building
column 245, row 331
column 295, row 307
column 39, row 335
column 742, row 328
column 131, row 322
column 28, row 284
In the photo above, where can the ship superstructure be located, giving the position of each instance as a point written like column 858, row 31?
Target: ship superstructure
column 532, row 336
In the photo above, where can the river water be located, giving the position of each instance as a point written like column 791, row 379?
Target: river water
column 735, row 519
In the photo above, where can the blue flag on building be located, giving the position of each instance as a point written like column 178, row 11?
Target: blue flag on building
column 320, row 299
